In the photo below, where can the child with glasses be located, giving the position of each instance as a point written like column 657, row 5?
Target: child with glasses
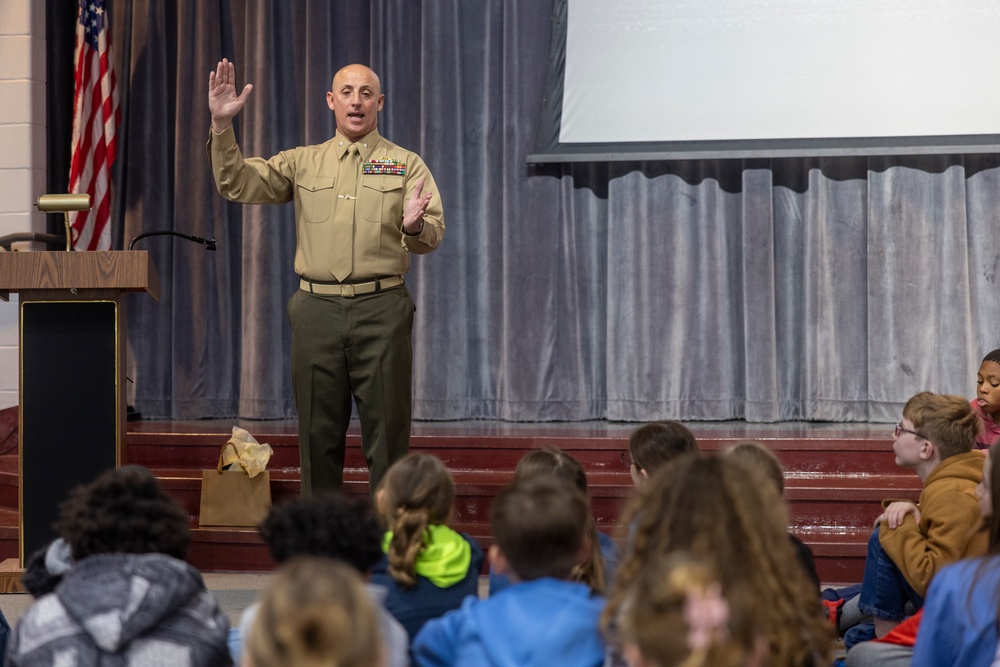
column 911, row 542
column 961, row 612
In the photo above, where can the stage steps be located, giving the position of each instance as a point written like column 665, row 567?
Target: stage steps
column 836, row 477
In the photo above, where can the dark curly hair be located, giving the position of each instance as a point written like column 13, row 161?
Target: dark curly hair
column 327, row 524
column 123, row 511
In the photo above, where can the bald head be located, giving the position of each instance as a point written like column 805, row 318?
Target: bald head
column 357, row 72
column 355, row 99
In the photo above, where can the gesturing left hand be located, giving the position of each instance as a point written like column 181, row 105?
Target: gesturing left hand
column 413, row 212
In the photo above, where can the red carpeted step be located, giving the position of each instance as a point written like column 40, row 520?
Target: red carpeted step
column 836, row 477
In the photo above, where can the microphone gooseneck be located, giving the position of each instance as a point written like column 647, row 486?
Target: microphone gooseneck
column 210, row 244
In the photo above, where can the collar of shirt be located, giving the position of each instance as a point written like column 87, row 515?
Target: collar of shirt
column 366, row 144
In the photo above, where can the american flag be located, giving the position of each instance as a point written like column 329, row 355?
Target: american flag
column 95, row 118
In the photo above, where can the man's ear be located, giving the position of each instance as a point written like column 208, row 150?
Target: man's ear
column 329, row 99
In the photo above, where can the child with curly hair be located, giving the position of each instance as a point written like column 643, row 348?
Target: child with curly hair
column 676, row 615
column 726, row 516
column 127, row 596
column 429, row 567
column 330, row 525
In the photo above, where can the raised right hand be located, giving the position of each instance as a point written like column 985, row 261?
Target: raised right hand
column 223, row 101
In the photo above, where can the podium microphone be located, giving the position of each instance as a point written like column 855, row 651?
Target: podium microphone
column 209, row 244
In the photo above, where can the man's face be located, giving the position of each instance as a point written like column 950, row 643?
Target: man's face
column 356, row 98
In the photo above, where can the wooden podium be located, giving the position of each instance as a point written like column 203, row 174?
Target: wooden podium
column 72, row 340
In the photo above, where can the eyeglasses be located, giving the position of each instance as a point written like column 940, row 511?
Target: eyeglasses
column 900, row 429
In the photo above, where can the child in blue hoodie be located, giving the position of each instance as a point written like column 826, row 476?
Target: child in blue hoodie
column 429, row 568
column 540, row 528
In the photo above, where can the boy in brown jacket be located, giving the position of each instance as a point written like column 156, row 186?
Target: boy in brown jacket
column 911, row 542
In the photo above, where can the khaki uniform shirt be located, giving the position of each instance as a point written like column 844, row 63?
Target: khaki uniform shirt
column 311, row 177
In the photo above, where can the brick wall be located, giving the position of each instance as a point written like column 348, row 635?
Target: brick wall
column 22, row 151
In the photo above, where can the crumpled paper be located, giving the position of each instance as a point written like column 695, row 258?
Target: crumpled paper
column 251, row 455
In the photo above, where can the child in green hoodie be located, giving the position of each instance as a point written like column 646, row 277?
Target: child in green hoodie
column 429, row 567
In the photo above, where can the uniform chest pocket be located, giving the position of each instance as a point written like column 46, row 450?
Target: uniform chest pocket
column 315, row 197
column 380, row 199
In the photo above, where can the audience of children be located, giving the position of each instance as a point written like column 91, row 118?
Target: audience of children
column 128, row 597
column 429, row 567
column 653, row 445
column 912, row 542
column 676, row 614
column 599, row 568
column 755, row 455
column 330, row 525
column 987, row 400
column 724, row 515
column 540, row 527
column 707, row 580
column 316, row 613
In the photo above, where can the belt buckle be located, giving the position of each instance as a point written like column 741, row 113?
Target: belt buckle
column 347, row 289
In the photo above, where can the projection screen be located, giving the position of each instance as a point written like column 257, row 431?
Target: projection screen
column 680, row 79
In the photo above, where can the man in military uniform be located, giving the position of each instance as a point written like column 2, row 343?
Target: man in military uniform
column 362, row 205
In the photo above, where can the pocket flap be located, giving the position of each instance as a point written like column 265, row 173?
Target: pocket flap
column 315, row 182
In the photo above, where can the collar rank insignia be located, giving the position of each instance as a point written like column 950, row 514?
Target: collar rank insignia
column 384, row 165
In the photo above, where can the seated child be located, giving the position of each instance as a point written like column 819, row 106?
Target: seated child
column 710, row 509
column 911, row 543
column 315, row 612
column 597, row 570
column 756, row 456
column 987, row 400
column 677, row 615
column 961, row 616
column 127, row 597
column 655, row 444
column 429, row 568
column 961, row 605
column 540, row 526
column 329, row 525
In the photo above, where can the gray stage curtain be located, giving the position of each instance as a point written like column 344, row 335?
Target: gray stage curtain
column 765, row 290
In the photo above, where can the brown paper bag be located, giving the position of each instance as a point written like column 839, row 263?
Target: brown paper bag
column 232, row 498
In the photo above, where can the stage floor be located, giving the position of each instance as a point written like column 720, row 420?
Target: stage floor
column 584, row 429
